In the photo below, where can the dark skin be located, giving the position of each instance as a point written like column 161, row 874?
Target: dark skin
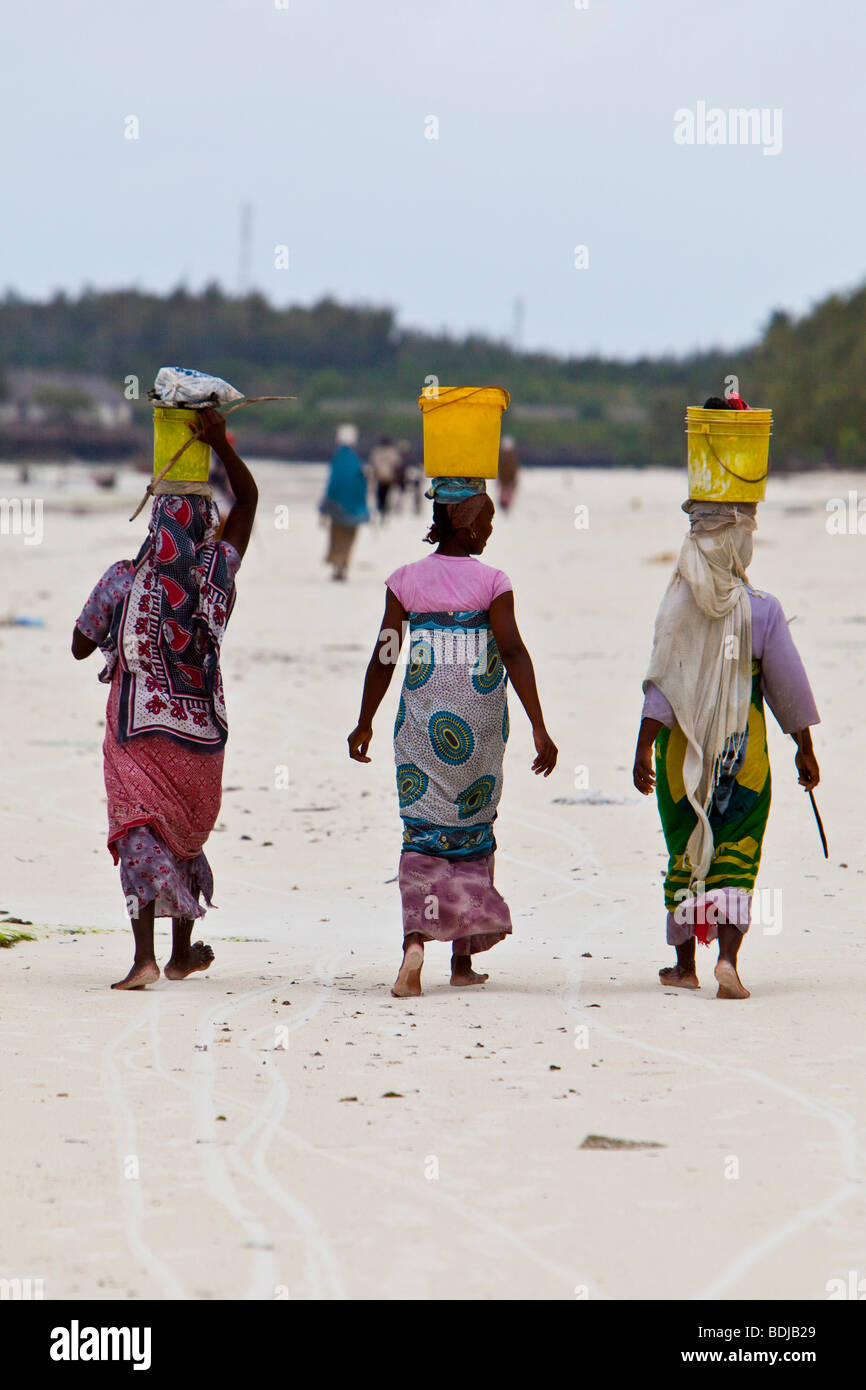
column 517, row 662
column 730, row 937
column 186, row 957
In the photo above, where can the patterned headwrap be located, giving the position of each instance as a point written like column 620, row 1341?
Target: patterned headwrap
column 455, row 489
column 169, row 629
column 464, row 497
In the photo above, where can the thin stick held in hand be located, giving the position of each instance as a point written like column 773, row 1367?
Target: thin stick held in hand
column 817, row 816
column 194, row 436
column 820, row 826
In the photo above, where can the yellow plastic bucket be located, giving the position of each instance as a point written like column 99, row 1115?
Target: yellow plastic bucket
column 728, row 454
column 170, row 431
column 461, row 430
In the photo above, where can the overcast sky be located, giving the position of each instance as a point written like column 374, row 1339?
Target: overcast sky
column 555, row 130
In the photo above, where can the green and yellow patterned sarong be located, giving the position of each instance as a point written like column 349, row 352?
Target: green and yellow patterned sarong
column 738, row 814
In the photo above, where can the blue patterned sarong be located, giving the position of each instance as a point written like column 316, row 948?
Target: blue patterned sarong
column 450, row 735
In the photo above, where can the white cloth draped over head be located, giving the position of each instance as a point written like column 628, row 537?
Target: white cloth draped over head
column 702, row 654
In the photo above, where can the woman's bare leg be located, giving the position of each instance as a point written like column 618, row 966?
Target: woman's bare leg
column 462, row 973
column 144, row 967
column 684, row 974
column 186, row 958
column 408, row 981
column 730, row 984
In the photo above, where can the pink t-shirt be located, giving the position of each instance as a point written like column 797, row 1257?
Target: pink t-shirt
column 447, row 584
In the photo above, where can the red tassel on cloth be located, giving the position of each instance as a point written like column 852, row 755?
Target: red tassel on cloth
column 701, row 920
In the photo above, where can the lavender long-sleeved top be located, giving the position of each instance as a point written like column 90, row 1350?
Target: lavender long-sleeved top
column 784, row 682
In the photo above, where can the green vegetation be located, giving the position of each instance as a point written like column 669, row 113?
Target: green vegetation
column 8, row 937
column 355, row 362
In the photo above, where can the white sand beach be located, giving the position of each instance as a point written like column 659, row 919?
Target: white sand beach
column 282, row 1127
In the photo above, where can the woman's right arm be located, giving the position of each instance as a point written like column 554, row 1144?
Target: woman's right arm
column 643, row 773
column 94, row 621
column 656, row 714
column 82, row 646
column 379, row 672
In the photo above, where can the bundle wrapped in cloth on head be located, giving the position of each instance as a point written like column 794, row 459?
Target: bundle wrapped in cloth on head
column 720, row 648
column 186, row 386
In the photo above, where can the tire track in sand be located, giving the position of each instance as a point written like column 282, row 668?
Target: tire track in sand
column 126, row 1140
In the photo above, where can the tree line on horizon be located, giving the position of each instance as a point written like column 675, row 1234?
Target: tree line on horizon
column 356, row 361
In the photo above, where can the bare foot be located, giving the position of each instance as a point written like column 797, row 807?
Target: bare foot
column 198, row 957
column 139, row 976
column 408, row 981
column 461, row 979
column 730, row 984
column 677, row 975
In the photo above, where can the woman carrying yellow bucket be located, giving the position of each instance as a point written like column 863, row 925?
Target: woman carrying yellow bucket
column 452, row 718
column 720, row 649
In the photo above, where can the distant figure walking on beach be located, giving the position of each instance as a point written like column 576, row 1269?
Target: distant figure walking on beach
column 160, row 620
column 720, row 648
column 384, row 463
column 345, row 500
column 509, row 468
column 413, row 474
column 451, row 730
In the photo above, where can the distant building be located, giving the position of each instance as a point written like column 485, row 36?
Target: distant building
column 40, row 396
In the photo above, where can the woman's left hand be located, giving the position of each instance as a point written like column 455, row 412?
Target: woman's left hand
column 359, row 742
column 546, row 752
